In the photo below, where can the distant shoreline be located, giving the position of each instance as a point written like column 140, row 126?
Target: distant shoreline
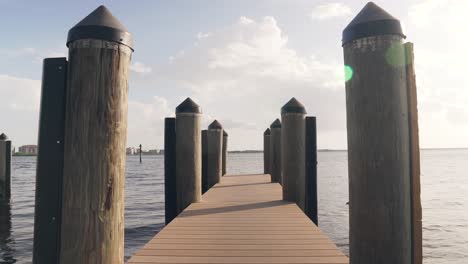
column 247, row 152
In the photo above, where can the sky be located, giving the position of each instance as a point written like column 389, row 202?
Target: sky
column 241, row 61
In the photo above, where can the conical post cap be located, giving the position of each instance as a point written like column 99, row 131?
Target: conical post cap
column 225, row 134
column 372, row 20
column 188, row 106
column 276, row 124
column 101, row 24
column 293, row 106
column 3, row 136
column 267, row 132
column 215, row 125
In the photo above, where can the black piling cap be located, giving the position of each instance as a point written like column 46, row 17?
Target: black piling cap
column 276, row 124
column 3, row 136
column 225, row 134
column 101, row 24
column 215, row 125
column 188, row 106
column 267, row 132
column 372, row 21
column 293, row 106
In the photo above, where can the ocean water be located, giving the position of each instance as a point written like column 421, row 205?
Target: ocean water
column 444, row 182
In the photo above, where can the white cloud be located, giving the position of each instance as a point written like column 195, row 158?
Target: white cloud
column 146, row 122
column 139, row 67
column 330, row 10
column 434, row 26
column 243, row 74
column 19, row 108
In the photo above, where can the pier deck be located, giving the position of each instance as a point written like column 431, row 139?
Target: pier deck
column 242, row 219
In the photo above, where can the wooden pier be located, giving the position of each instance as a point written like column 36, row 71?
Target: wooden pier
column 242, row 219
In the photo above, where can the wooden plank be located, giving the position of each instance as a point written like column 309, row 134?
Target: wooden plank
column 241, row 253
column 325, row 245
column 232, row 260
column 241, row 220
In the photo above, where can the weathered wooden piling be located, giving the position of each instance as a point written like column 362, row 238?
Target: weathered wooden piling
column 5, row 168
column 266, row 151
column 225, row 150
column 100, row 49
column 275, row 151
column 214, row 139
column 311, row 203
column 188, row 154
column 170, row 185
column 381, row 140
column 49, row 170
column 293, row 151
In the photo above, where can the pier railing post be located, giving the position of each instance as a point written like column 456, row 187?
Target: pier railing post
column 225, row 150
column 275, row 151
column 204, row 161
column 100, row 49
column 266, row 151
column 5, row 169
column 214, row 140
column 170, row 185
column 293, row 151
column 382, row 128
column 188, row 154
column 311, row 168
column 49, row 171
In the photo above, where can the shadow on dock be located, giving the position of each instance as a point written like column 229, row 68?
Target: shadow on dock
column 232, row 208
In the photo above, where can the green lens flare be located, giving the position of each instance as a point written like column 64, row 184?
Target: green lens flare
column 348, row 72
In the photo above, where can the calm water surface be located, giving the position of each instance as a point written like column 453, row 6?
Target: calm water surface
column 444, row 195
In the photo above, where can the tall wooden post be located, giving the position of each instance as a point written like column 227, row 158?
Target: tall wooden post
column 311, row 169
column 204, row 161
column 100, row 49
column 266, row 151
column 214, row 140
column 5, row 168
column 293, row 151
column 382, row 146
column 188, row 154
column 275, row 151
column 49, row 171
column 170, row 185
column 225, row 150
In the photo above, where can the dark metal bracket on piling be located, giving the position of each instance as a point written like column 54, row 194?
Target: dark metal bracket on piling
column 311, row 205
column 170, row 192
column 49, row 176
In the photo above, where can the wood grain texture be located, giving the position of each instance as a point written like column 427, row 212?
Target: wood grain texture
column 293, row 157
column 378, row 151
column 416, row 209
column 242, row 219
column 94, row 153
column 214, row 170
column 188, row 159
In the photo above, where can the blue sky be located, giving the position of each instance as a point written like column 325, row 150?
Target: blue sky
column 240, row 60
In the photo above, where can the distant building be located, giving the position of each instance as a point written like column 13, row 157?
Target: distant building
column 28, row 149
column 154, row 152
column 131, row 151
